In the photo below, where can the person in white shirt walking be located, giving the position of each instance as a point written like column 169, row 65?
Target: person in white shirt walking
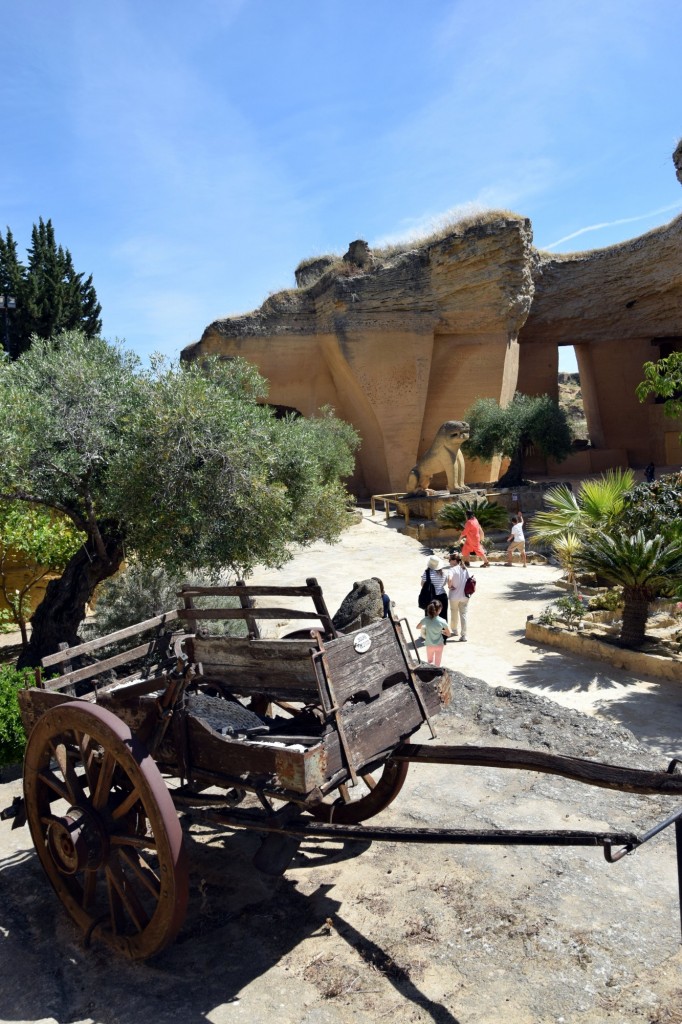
column 518, row 541
column 438, row 574
column 459, row 602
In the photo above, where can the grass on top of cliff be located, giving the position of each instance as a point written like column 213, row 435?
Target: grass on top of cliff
column 441, row 229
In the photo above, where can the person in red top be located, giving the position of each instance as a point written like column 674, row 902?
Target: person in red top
column 472, row 535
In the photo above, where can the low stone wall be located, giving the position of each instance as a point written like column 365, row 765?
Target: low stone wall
column 589, row 647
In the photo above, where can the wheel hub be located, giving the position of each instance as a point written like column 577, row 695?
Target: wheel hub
column 77, row 841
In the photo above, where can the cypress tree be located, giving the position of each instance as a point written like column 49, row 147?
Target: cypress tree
column 11, row 285
column 51, row 297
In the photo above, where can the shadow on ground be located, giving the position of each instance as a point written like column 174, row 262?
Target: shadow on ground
column 240, row 925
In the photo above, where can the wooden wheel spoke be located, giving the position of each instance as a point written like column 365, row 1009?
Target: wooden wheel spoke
column 49, row 779
column 137, row 842
column 129, row 900
column 104, row 777
column 89, row 887
column 125, row 805
column 88, row 751
column 147, row 877
column 115, row 905
column 64, row 759
column 369, row 781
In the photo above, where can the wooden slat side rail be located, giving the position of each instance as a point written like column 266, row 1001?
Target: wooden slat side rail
column 237, row 591
column 250, row 612
column 192, row 614
column 100, row 666
column 111, row 638
column 246, row 601
column 281, row 668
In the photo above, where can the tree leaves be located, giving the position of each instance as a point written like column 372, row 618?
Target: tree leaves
column 529, row 421
column 50, row 295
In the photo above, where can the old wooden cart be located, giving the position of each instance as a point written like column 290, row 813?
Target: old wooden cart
column 313, row 726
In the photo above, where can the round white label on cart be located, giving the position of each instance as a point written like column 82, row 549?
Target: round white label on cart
column 362, row 643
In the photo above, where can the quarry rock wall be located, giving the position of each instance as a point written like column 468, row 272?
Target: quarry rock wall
column 398, row 342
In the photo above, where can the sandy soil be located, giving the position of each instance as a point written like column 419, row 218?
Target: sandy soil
column 452, row 935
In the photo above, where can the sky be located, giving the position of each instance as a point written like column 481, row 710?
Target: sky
column 191, row 154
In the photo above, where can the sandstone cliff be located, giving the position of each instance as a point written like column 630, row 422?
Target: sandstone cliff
column 400, row 340
column 396, row 342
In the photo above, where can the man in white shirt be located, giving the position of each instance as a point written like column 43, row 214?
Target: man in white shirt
column 518, row 541
column 459, row 602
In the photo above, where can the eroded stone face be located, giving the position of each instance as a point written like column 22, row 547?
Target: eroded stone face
column 401, row 343
column 677, row 160
column 397, row 344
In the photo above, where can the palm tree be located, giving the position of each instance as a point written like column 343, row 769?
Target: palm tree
column 645, row 568
column 597, row 504
column 489, row 514
column 567, row 549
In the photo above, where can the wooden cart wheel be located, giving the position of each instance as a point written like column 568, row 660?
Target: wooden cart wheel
column 105, row 829
column 373, row 794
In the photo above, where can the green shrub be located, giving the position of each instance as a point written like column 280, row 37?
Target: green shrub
column 569, row 609
column 143, row 591
column 12, row 736
column 548, row 616
column 610, row 601
column 490, row 515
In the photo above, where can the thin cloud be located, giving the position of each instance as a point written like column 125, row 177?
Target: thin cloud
column 612, row 224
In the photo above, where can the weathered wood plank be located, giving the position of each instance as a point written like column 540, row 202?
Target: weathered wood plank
column 278, row 668
column 607, row 776
column 297, row 771
column 352, row 673
column 88, row 671
column 192, row 614
column 374, row 730
column 249, row 591
column 111, row 638
column 276, row 688
column 240, row 652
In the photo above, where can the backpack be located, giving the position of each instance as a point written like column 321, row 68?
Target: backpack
column 470, row 586
column 427, row 593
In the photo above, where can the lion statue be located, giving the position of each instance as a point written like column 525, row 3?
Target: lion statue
column 443, row 456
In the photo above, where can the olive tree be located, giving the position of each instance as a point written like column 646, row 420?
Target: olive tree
column 41, row 542
column 181, row 464
column 529, row 421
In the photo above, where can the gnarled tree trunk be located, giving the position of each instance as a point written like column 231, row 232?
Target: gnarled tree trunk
column 58, row 616
column 514, row 475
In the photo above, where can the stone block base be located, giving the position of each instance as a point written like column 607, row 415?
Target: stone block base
column 589, row 647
